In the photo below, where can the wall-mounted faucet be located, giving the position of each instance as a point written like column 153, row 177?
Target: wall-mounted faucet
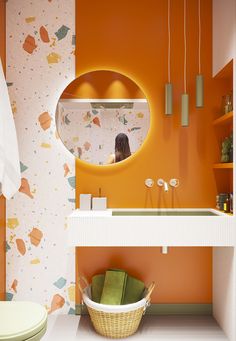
column 173, row 183
column 162, row 183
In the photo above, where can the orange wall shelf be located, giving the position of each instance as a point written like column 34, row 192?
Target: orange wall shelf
column 224, row 119
column 226, row 165
column 223, row 125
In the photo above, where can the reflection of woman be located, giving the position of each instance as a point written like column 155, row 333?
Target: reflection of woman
column 122, row 149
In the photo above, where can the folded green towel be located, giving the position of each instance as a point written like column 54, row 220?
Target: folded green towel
column 134, row 290
column 114, row 287
column 97, row 287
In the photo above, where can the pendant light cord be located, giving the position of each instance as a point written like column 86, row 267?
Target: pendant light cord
column 199, row 36
column 168, row 41
column 185, row 54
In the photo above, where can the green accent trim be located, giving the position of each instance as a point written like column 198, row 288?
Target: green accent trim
column 81, row 309
column 179, row 309
column 164, row 309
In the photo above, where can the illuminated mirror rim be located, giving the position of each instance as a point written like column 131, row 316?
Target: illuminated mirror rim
column 114, row 166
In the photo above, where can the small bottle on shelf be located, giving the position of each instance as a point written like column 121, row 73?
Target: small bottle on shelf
column 228, row 103
column 220, row 200
column 227, row 205
column 231, row 203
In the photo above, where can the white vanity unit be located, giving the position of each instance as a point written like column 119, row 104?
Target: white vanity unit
column 151, row 227
column 170, row 228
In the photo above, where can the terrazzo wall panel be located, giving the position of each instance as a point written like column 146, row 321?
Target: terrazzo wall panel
column 40, row 64
column 2, row 199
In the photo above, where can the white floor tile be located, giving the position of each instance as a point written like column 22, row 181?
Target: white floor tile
column 161, row 328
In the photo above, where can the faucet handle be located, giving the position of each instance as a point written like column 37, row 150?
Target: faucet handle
column 149, row 183
column 174, row 182
column 160, row 182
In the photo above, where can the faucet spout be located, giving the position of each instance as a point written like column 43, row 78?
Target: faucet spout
column 166, row 186
column 162, row 183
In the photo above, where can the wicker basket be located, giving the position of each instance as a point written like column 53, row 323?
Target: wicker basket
column 115, row 321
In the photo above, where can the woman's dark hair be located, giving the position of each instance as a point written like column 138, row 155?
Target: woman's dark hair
column 122, row 149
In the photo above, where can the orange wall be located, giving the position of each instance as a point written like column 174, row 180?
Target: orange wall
column 2, row 200
column 130, row 37
column 181, row 276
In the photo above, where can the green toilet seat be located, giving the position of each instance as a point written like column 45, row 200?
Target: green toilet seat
column 21, row 321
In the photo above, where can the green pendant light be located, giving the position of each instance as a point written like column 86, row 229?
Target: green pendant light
column 199, row 77
column 168, row 86
column 184, row 110
column 185, row 99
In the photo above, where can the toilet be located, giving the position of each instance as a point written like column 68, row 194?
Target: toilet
column 21, row 321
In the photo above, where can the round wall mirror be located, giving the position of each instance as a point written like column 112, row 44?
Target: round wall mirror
column 102, row 117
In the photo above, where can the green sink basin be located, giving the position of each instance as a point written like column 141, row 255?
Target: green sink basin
column 164, row 213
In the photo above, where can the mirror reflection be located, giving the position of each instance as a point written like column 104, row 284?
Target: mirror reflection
column 102, row 117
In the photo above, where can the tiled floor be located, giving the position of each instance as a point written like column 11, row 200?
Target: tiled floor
column 160, row 328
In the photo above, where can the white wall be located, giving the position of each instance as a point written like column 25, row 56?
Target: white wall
column 224, row 289
column 224, row 264
column 224, row 33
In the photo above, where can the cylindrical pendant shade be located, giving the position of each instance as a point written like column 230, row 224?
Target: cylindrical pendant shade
column 168, row 99
column 184, row 110
column 199, row 91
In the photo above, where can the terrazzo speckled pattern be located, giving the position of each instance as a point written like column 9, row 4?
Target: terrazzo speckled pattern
column 40, row 64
